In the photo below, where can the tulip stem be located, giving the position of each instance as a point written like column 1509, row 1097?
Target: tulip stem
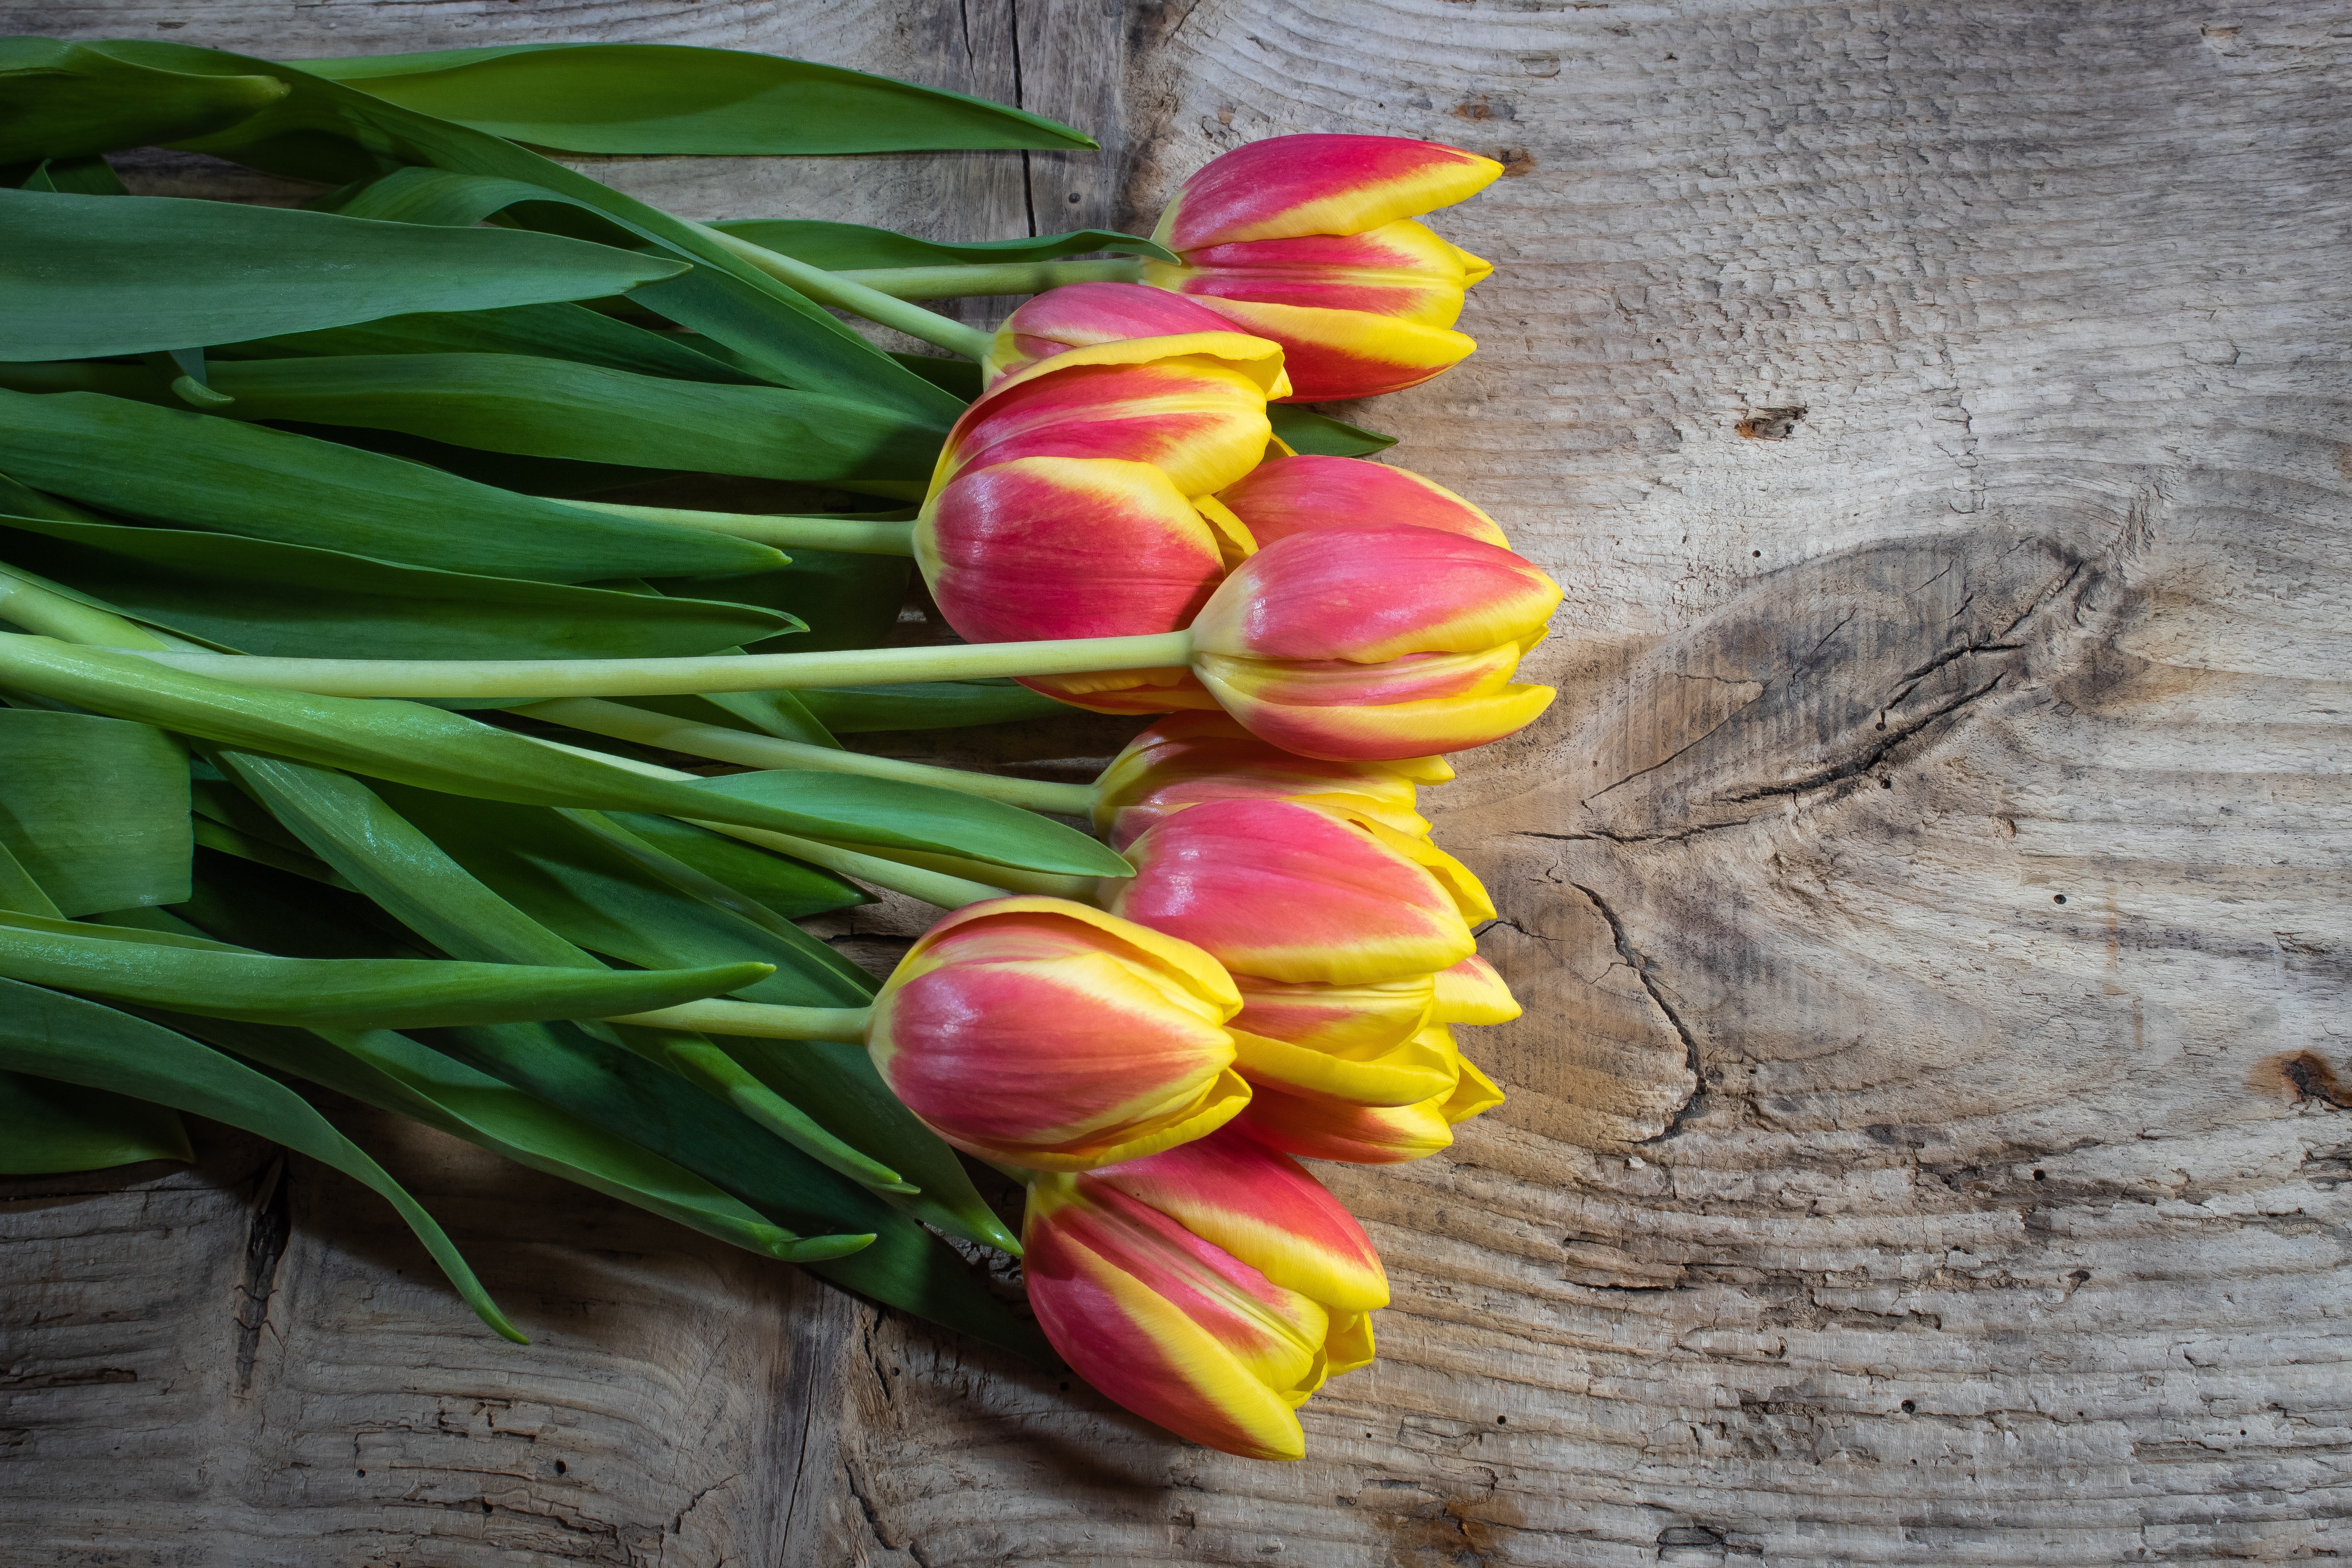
column 763, row 1021
column 35, row 605
column 880, row 535
column 647, row 728
column 993, row 277
column 523, row 679
column 931, row 886
column 858, row 298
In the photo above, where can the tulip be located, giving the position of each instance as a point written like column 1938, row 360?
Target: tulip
column 1309, row 240
column 1296, row 494
column 1189, row 758
column 1059, row 508
column 1088, row 315
column 1375, row 642
column 1211, row 1289
column 1044, row 1033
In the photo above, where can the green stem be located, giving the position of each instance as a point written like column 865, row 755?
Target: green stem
column 991, row 277
column 647, row 728
column 35, row 606
column 828, row 289
column 759, row 1019
column 949, row 893
column 854, row 535
column 522, row 679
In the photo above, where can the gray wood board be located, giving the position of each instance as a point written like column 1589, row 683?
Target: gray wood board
column 1928, row 892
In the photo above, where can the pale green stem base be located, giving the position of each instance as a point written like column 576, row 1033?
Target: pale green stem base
column 991, row 277
column 948, row 892
column 855, row 536
column 830, row 288
column 37, row 606
column 522, row 679
column 647, row 728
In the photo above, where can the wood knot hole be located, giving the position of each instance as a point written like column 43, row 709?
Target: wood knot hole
column 1771, row 424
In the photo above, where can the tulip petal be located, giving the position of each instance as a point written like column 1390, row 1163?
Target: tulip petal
column 1084, row 315
column 1292, row 892
column 1288, row 185
column 1350, row 1345
column 1332, row 355
column 1298, row 495
column 1402, row 270
column 1066, row 547
column 1262, row 1209
column 1470, row 993
column 1355, row 1021
column 1354, row 1134
column 1393, row 729
column 1124, row 692
column 1197, row 757
column 1414, row 1070
column 1373, row 594
column 1200, row 418
column 1474, row 1095
column 1118, row 1299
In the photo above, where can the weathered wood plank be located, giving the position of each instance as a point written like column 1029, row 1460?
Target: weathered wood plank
column 1859, row 1201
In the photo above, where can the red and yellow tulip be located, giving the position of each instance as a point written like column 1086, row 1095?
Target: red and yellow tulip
column 1309, row 240
column 1189, row 758
column 1211, row 1288
column 1088, row 315
column 1377, row 642
column 1316, row 1129
column 1048, row 1035
column 1060, row 505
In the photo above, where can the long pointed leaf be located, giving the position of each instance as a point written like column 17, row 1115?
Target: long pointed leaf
column 671, row 98
column 46, row 1126
column 548, row 332
column 79, row 274
column 68, row 1039
column 67, row 100
column 94, row 810
column 850, row 246
column 241, row 478
column 261, row 597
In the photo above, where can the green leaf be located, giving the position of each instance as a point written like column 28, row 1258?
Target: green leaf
column 394, row 1073
column 671, row 98
column 408, row 743
column 846, row 600
column 790, row 890
column 79, row 276
column 19, row 892
column 91, row 176
column 559, row 409
column 593, row 893
column 603, row 1083
column 94, row 810
column 928, row 705
column 46, row 1126
column 1306, row 431
column 548, row 332
column 959, row 378
column 853, row 247
column 260, row 596
column 69, row 101
column 75, row 1041
column 162, row 970
column 777, row 713
column 849, row 808
column 240, row 478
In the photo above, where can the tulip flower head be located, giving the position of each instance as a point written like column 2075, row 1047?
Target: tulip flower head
column 1189, row 758
column 1060, row 506
column 1045, row 1034
column 1211, row 1289
column 1375, row 643
column 1309, row 240
column 1316, row 1129
column 1296, row 494
column 1087, row 315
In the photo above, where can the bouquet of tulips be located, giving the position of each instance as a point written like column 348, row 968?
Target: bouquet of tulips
column 365, row 567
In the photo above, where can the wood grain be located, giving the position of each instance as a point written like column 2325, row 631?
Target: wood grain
column 1929, row 888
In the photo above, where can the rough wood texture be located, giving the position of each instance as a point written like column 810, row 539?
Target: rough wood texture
column 1930, row 889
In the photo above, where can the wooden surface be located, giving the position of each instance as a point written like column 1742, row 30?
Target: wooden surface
column 1929, row 890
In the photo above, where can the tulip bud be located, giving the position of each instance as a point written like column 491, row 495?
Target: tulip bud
column 1059, row 508
column 1194, row 757
column 1375, row 642
column 1045, row 1034
column 1211, row 1289
column 1284, row 496
column 1292, row 892
column 1087, row 315
column 1309, row 240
